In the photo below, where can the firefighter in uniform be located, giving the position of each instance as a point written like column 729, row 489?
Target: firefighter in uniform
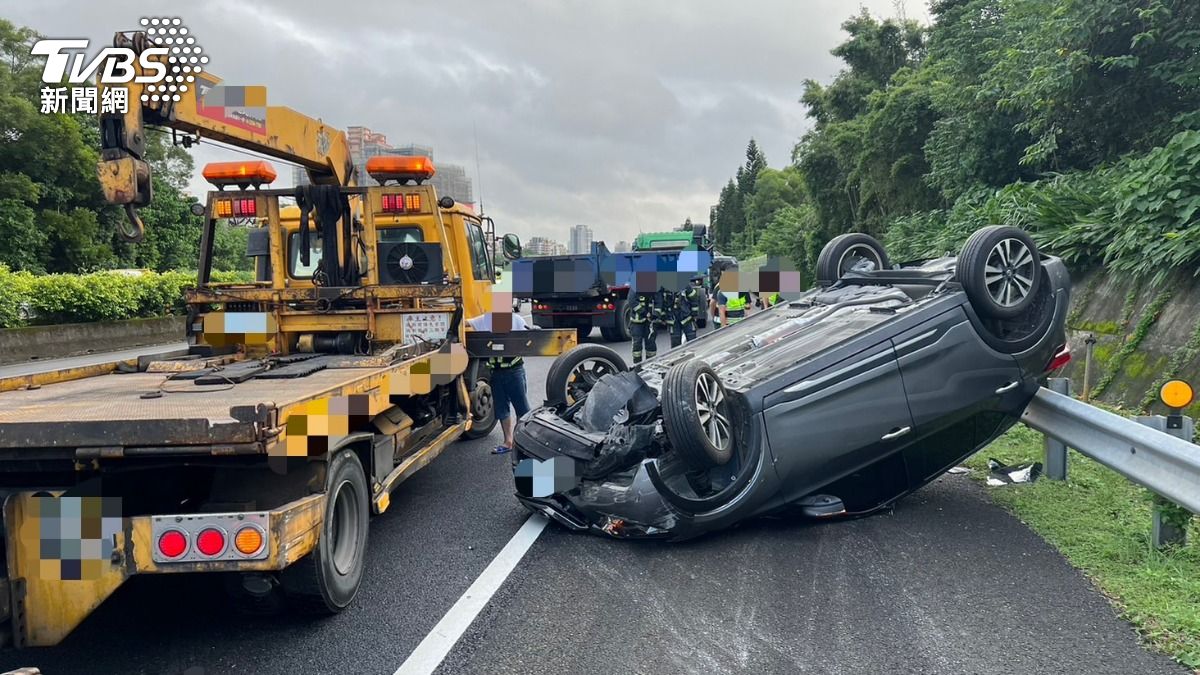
column 682, row 313
column 643, row 328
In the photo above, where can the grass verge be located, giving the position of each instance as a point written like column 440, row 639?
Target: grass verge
column 1101, row 523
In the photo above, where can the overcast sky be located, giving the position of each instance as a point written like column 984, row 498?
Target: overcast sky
column 624, row 115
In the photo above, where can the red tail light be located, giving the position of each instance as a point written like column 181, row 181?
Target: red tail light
column 244, row 207
column 393, row 203
column 1061, row 358
column 210, row 542
column 172, row 544
column 604, row 305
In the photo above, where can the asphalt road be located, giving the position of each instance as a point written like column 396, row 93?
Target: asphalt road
column 947, row 583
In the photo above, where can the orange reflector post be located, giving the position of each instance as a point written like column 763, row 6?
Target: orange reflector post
column 248, row 540
column 400, row 167
column 239, row 173
column 1176, row 394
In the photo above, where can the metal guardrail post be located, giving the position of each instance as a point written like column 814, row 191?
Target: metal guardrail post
column 1056, row 451
column 1164, row 533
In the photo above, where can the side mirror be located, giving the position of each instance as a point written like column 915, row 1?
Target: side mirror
column 512, row 246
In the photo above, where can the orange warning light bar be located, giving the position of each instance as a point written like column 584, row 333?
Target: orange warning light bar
column 400, row 168
column 239, row 173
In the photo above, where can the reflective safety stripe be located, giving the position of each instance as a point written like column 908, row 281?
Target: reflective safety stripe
column 503, row 362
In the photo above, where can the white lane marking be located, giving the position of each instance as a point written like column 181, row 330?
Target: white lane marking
column 433, row 649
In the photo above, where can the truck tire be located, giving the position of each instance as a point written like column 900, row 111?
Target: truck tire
column 326, row 580
column 483, row 406
column 842, row 253
column 619, row 332
column 1000, row 270
column 574, row 373
column 697, row 415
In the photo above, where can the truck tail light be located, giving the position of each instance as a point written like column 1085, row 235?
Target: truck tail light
column 211, row 537
column 1061, row 358
column 248, row 540
column 606, row 305
column 172, row 544
column 240, row 207
column 393, row 203
column 210, row 542
column 401, row 203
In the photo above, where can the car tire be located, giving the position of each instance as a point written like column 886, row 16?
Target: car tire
column 690, row 391
column 326, row 580
column 483, row 406
column 837, row 256
column 1000, row 270
column 574, row 373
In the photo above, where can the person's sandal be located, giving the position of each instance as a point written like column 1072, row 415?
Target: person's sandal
column 500, row 450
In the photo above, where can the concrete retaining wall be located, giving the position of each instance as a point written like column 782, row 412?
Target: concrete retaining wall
column 1111, row 308
column 22, row 344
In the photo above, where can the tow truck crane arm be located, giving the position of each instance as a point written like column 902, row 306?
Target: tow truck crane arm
column 240, row 118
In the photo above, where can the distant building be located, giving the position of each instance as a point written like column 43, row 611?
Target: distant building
column 450, row 179
column 622, row 247
column 581, row 239
column 543, row 246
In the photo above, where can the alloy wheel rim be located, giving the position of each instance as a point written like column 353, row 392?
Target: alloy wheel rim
column 584, row 376
column 855, row 254
column 1008, row 272
column 711, row 408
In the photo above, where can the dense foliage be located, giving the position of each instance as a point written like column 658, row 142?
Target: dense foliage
column 52, row 214
column 1077, row 119
column 27, row 298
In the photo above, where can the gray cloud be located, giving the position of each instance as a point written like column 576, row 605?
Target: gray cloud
column 623, row 115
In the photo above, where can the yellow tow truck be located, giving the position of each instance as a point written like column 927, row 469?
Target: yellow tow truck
column 304, row 398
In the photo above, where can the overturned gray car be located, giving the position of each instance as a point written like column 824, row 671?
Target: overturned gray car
column 832, row 405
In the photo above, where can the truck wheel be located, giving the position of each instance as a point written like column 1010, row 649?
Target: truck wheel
column 326, row 580
column 1000, row 270
column 619, row 332
column 845, row 251
column 573, row 374
column 483, row 407
column 697, row 415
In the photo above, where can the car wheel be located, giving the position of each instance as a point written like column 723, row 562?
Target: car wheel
column 483, row 407
column 573, row 374
column 697, row 415
column 326, row 580
column 1000, row 270
column 845, row 251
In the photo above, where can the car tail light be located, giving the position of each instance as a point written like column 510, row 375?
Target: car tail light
column 248, row 540
column 172, row 544
column 1061, row 358
column 210, row 542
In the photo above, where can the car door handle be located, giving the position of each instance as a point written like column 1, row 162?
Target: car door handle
column 895, row 433
column 1008, row 387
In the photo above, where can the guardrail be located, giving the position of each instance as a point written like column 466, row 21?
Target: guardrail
column 1150, row 451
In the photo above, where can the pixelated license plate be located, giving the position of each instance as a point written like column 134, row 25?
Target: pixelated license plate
column 538, row 479
column 431, row 326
